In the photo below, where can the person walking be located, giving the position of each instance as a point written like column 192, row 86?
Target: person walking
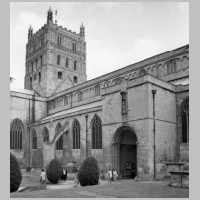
column 109, row 176
column 115, row 175
column 43, row 177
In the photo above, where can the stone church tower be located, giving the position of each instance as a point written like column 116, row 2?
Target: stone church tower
column 55, row 58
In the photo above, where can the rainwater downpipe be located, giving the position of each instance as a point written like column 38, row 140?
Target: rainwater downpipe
column 154, row 134
column 86, row 138
column 29, row 135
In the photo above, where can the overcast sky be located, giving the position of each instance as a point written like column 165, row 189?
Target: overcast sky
column 117, row 33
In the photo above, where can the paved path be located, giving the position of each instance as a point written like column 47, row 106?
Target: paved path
column 65, row 185
column 61, row 185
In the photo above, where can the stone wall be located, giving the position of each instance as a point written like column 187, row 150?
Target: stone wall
column 22, row 107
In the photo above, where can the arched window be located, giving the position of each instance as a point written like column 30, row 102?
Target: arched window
column 67, row 62
column 80, row 96
column 66, row 99
column 97, row 90
column 75, row 79
column 96, row 133
column 39, row 77
column 76, row 135
column 74, row 46
column 57, row 128
column 34, row 139
column 75, row 65
column 31, row 83
column 59, row 40
column 185, row 121
column 58, row 60
column 41, row 61
column 45, row 134
column 59, row 143
column 59, row 75
column 36, row 63
column 171, row 67
column 16, row 131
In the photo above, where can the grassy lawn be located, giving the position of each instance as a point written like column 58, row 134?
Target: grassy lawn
column 33, row 178
column 121, row 189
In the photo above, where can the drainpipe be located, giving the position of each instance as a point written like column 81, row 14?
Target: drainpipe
column 154, row 133
column 29, row 135
column 86, row 144
column 33, row 108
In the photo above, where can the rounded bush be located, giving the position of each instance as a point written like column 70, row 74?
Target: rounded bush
column 89, row 172
column 15, row 174
column 54, row 171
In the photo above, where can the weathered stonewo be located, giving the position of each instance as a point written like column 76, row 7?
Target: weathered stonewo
column 46, row 106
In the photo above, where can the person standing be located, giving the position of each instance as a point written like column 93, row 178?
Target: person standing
column 115, row 175
column 109, row 176
column 64, row 174
column 43, row 177
column 76, row 180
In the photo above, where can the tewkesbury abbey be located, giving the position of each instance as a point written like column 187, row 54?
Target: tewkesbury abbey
column 135, row 119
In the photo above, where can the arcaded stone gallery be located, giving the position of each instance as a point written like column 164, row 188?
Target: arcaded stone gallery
column 134, row 119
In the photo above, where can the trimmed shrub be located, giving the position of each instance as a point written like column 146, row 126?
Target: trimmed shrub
column 89, row 172
column 15, row 174
column 54, row 171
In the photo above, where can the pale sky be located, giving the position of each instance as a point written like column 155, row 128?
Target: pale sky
column 117, row 33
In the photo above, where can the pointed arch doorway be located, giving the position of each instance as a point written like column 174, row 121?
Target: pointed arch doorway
column 125, row 152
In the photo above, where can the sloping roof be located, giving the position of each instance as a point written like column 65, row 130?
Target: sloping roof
column 72, row 110
column 20, row 90
column 182, row 81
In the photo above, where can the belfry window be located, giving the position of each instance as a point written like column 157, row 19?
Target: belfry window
column 34, row 140
column 76, row 135
column 16, row 131
column 59, row 40
column 39, row 77
column 67, row 62
column 36, row 63
column 185, row 121
column 31, row 84
column 75, row 65
column 74, row 46
column 59, row 75
column 58, row 60
column 96, row 133
column 75, row 79
column 41, row 61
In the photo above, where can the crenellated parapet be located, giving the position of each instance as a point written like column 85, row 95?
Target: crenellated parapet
column 170, row 66
column 55, row 54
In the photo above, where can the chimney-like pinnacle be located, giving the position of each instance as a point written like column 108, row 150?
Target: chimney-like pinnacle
column 50, row 15
column 82, row 30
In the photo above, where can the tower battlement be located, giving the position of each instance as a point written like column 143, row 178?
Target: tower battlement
column 55, row 58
